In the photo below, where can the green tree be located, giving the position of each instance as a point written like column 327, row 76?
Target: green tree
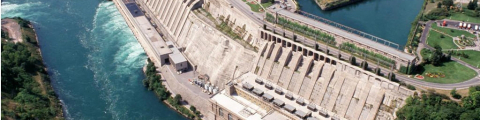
column 439, row 5
column 436, row 58
column 472, row 5
column 447, row 3
column 177, row 99
column 454, row 94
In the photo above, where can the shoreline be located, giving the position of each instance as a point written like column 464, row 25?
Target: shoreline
column 42, row 77
column 326, row 8
column 170, row 106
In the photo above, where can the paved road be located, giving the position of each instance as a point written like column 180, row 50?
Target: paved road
column 334, row 52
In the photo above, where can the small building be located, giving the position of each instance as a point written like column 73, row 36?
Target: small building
column 289, row 108
column 289, row 96
column 302, row 114
column 323, row 113
column 176, row 58
column 312, row 107
column 257, row 92
column 267, row 97
column 268, row 86
column 278, row 91
column 258, row 81
column 300, row 101
column 311, row 118
column 247, row 86
column 278, row 103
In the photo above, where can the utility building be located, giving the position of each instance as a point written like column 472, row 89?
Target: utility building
column 176, row 58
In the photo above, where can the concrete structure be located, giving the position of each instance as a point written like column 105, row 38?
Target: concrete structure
column 332, row 86
column 379, row 46
column 176, row 58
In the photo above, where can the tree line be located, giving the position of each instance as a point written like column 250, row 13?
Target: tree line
column 434, row 106
column 26, row 90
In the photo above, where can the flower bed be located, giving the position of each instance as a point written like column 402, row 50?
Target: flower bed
column 419, row 77
column 435, row 75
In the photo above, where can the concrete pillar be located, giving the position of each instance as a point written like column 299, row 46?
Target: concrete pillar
column 164, row 9
column 170, row 13
column 157, row 7
column 174, row 16
column 181, row 19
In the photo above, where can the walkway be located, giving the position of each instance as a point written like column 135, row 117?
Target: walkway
column 334, row 52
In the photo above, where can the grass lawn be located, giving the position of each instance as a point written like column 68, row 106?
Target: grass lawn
column 463, row 17
column 454, row 33
column 473, row 57
column 454, row 72
column 256, row 8
column 435, row 39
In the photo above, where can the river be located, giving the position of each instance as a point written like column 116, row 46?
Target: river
column 387, row 19
column 93, row 59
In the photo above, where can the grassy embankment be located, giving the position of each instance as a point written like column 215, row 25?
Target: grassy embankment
column 444, row 39
column 26, row 89
column 153, row 83
column 256, row 7
column 454, row 72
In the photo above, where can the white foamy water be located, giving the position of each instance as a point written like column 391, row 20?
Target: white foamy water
column 110, row 36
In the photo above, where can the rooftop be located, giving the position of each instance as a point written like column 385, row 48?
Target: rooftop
column 249, row 79
column 150, row 33
column 245, row 109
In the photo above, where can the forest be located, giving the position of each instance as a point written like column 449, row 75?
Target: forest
column 26, row 89
column 434, row 106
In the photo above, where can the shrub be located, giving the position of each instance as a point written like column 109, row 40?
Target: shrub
column 411, row 87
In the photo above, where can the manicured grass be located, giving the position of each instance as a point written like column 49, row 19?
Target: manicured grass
column 454, row 72
column 454, row 33
column 435, row 39
column 463, row 17
column 473, row 57
column 256, row 8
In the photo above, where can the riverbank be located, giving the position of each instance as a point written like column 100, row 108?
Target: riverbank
column 26, row 89
column 154, row 83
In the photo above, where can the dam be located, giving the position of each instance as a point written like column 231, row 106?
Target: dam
column 278, row 79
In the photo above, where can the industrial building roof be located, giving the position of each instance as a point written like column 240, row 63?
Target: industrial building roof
column 278, row 102
column 247, row 86
column 152, row 35
column 289, row 107
column 267, row 96
column 257, row 91
column 301, row 113
column 177, row 58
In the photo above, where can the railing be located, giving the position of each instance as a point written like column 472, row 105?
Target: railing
column 350, row 30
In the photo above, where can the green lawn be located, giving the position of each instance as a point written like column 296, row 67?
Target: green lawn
column 454, row 33
column 435, row 39
column 256, row 7
column 463, row 17
column 473, row 57
column 454, row 72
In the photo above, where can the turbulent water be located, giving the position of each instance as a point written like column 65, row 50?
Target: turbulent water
column 93, row 58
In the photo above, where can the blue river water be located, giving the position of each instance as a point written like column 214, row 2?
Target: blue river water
column 93, row 59
column 387, row 19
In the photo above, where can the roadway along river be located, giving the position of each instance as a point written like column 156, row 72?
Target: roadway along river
column 93, row 58
column 387, row 19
